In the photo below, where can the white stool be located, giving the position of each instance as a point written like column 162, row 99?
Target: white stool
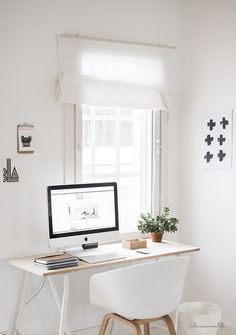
column 140, row 294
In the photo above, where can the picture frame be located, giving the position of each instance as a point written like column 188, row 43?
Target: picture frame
column 217, row 139
column 25, row 138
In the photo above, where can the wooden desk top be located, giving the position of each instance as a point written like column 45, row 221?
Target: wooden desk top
column 157, row 250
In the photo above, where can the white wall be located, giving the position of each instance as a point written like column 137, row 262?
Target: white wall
column 28, row 67
column 207, row 195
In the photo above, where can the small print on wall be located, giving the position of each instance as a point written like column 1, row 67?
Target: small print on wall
column 25, row 138
column 10, row 173
column 217, row 140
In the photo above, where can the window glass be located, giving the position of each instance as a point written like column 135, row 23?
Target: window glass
column 116, row 147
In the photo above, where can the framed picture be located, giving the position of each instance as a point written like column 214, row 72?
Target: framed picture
column 25, row 138
column 217, row 128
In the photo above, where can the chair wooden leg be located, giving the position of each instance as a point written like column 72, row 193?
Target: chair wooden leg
column 104, row 324
column 131, row 323
column 146, row 328
column 170, row 324
column 120, row 318
column 137, row 328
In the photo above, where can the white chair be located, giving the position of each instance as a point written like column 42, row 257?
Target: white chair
column 140, row 294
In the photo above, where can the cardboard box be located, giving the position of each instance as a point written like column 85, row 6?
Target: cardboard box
column 134, row 243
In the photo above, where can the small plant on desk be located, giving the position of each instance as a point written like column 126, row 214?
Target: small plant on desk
column 157, row 225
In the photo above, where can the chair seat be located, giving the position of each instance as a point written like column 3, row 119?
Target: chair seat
column 141, row 291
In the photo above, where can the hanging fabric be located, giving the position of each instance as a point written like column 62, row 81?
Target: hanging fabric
column 113, row 73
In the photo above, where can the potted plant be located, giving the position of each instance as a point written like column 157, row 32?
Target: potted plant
column 157, row 225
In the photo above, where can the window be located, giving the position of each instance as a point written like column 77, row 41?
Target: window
column 115, row 95
column 117, row 144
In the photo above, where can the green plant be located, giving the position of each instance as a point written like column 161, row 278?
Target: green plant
column 159, row 223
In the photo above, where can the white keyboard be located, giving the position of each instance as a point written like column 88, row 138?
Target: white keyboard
column 104, row 257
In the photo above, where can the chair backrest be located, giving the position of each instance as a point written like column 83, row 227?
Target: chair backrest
column 141, row 291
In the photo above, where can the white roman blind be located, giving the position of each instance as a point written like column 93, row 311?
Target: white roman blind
column 113, row 73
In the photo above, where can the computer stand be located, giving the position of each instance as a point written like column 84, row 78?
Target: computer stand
column 90, row 245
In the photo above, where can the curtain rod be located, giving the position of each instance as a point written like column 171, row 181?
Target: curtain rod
column 159, row 45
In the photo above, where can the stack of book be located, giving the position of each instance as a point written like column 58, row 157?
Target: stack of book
column 56, row 261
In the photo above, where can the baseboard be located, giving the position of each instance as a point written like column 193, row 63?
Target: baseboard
column 119, row 330
column 160, row 329
column 227, row 329
column 89, row 331
column 157, row 329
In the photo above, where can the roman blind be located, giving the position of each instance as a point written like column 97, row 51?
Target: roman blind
column 112, row 73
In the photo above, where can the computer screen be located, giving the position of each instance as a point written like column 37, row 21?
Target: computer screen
column 82, row 213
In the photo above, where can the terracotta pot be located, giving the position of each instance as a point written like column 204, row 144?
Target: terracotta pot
column 157, row 237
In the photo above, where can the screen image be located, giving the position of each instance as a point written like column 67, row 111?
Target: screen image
column 82, row 209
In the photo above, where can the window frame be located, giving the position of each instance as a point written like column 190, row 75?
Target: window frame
column 73, row 155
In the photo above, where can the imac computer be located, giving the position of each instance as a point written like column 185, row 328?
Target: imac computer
column 82, row 214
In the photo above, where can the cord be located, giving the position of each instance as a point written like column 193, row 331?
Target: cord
column 12, row 322
column 35, row 293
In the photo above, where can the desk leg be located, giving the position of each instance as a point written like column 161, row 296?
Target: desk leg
column 20, row 303
column 62, row 306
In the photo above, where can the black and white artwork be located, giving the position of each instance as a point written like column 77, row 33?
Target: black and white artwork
column 25, row 140
column 217, row 140
column 10, row 173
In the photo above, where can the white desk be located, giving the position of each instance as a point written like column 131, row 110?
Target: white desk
column 157, row 250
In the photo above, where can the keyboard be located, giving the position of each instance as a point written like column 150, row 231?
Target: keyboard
column 103, row 257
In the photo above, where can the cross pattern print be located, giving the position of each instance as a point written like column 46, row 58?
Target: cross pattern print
column 217, row 139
